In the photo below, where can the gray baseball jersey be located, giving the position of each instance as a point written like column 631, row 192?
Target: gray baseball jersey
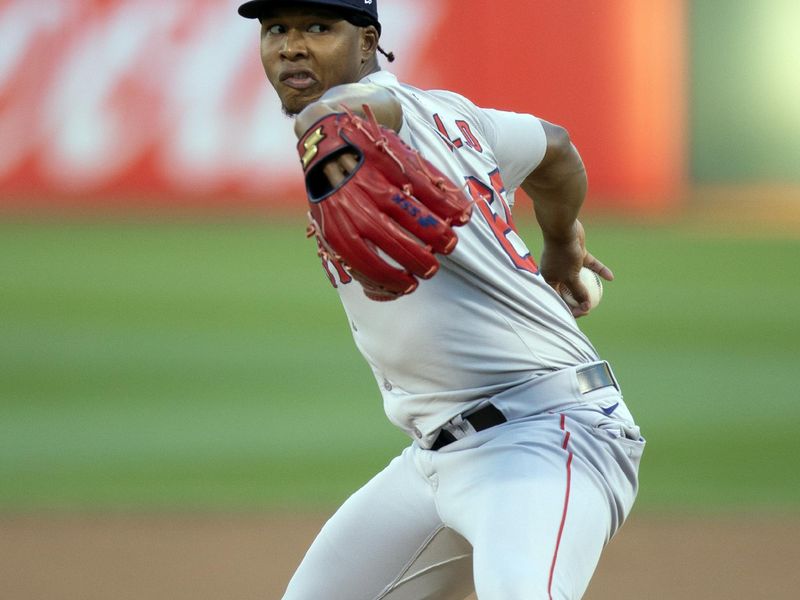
column 487, row 322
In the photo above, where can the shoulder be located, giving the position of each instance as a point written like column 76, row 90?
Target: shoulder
column 454, row 97
column 406, row 91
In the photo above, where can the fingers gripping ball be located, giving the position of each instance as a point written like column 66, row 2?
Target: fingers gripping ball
column 593, row 284
column 388, row 217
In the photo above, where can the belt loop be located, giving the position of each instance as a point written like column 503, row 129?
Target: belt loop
column 611, row 373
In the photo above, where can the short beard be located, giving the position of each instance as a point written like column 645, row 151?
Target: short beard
column 288, row 112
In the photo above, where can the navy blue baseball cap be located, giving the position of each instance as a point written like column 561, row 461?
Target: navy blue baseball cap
column 358, row 12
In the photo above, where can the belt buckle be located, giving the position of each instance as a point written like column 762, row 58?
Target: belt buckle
column 455, row 429
column 459, row 427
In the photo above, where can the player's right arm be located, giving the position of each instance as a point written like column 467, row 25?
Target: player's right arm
column 384, row 105
column 353, row 96
column 558, row 188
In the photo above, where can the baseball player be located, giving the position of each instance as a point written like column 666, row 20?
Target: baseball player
column 524, row 457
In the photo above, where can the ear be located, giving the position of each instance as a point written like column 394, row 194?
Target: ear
column 369, row 42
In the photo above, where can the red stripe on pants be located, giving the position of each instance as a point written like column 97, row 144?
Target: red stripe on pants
column 566, row 506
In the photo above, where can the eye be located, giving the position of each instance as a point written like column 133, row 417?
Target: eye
column 273, row 29
column 318, row 28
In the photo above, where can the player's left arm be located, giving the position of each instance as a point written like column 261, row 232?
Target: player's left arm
column 558, row 188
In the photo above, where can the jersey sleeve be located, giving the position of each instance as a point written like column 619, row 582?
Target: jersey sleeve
column 518, row 141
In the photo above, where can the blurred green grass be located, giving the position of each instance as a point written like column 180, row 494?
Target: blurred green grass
column 207, row 365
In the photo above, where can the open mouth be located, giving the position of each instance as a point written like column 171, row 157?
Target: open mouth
column 299, row 79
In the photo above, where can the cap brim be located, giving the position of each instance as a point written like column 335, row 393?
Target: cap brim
column 254, row 8
column 251, row 10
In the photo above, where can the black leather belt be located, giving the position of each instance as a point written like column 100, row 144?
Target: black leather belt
column 591, row 377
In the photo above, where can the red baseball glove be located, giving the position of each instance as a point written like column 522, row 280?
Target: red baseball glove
column 387, row 217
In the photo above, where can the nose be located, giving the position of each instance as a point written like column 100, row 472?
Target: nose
column 294, row 45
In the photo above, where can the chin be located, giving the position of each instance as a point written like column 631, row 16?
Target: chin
column 294, row 105
column 290, row 112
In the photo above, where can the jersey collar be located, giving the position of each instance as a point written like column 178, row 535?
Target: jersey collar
column 380, row 78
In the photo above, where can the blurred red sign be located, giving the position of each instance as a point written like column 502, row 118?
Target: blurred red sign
column 142, row 98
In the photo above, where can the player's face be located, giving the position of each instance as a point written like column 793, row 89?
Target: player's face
column 304, row 54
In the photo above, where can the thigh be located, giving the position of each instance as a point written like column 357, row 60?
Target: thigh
column 442, row 570
column 386, row 541
column 536, row 512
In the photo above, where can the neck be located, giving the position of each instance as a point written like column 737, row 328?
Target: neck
column 368, row 68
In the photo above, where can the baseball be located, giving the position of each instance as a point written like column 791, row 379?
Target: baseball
column 592, row 282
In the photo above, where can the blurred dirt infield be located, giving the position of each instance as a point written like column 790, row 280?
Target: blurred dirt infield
column 251, row 557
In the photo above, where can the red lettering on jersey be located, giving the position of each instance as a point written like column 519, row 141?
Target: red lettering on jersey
column 466, row 131
column 452, row 144
column 498, row 186
column 470, row 138
column 492, row 205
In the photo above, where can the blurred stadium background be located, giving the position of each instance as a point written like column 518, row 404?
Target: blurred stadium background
column 180, row 400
